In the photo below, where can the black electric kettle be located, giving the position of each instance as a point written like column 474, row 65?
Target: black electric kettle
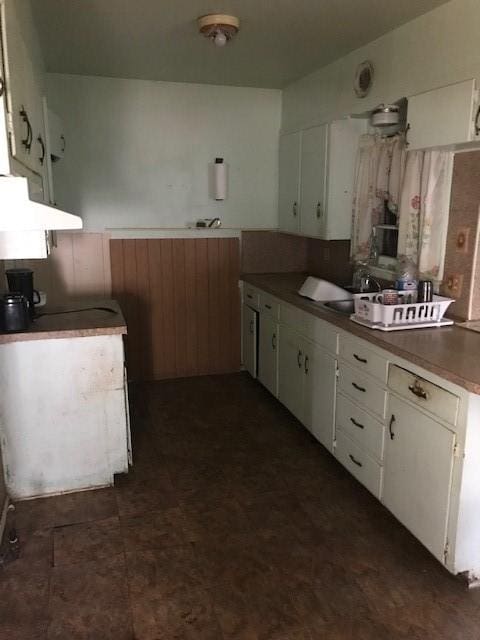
column 14, row 312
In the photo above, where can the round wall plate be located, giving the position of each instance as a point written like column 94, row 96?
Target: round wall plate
column 363, row 79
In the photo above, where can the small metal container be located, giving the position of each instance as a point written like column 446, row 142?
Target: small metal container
column 425, row 291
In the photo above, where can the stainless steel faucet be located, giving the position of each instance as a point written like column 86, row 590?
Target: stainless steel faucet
column 363, row 280
column 366, row 282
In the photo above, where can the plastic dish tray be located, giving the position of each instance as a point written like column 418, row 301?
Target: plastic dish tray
column 367, row 308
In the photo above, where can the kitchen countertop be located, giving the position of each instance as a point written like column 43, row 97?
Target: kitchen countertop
column 93, row 322
column 452, row 352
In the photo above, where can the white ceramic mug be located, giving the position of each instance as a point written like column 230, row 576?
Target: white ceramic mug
column 388, row 296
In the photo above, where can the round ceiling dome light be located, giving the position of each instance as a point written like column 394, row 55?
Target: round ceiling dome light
column 218, row 27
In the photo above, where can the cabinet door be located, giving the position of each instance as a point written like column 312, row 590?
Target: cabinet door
column 289, row 179
column 268, row 353
column 418, row 473
column 290, row 371
column 312, row 181
column 249, row 340
column 441, row 117
column 343, row 139
column 24, row 79
column 319, row 394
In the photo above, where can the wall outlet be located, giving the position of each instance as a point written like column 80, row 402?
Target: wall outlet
column 462, row 243
column 454, row 284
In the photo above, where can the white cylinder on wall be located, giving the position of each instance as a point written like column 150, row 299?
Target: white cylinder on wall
column 220, row 179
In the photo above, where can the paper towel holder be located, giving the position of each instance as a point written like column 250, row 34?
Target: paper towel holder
column 218, row 180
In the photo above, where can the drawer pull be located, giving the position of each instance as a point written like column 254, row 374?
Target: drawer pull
column 268, row 306
column 249, row 296
column 363, row 360
column 299, row 359
column 251, row 326
column 390, row 427
column 354, row 460
column 357, row 424
column 418, row 391
column 358, row 387
column 274, row 341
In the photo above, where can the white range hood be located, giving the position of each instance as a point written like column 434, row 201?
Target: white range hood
column 19, row 213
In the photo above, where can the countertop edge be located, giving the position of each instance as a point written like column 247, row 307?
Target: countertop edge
column 8, row 338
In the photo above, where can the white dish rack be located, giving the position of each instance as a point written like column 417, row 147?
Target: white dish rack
column 370, row 312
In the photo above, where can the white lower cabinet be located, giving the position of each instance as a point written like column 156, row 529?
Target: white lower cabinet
column 290, row 371
column 419, row 456
column 249, row 342
column 319, row 394
column 306, row 384
column 268, row 353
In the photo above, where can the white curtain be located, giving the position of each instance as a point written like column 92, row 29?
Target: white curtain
column 378, row 176
column 424, row 206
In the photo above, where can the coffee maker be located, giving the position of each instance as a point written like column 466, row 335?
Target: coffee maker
column 21, row 281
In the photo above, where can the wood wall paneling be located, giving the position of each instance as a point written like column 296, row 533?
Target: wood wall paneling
column 181, row 301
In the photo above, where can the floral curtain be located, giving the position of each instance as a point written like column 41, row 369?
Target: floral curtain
column 378, row 178
column 423, row 216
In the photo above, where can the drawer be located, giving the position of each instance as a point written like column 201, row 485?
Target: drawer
column 269, row 304
column 359, row 463
column 251, row 296
column 429, row 396
column 360, row 426
column 363, row 389
column 356, row 352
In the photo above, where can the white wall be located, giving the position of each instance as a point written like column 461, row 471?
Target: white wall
column 138, row 152
column 436, row 49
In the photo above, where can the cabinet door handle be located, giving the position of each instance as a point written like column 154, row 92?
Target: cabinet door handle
column 251, row 326
column 357, row 424
column 294, row 209
column 418, row 390
column 268, row 306
column 390, row 427
column 27, row 141
column 42, row 145
column 64, row 143
column 249, row 296
column 319, row 210
column 306, row 364
column 477, row 118
column 299, row 359
column 355, row 461
column 274, row 341
column 362, row 360
column 358, row 387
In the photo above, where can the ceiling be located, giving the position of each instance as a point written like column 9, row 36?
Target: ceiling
column 279, row 40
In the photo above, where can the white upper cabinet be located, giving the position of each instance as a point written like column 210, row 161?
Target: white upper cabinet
column 289, row 182
column 442, row 117
column 322, row 161
column 24, row 86
column 312, row 183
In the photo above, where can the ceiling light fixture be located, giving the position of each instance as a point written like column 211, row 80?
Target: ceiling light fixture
column 218, row 27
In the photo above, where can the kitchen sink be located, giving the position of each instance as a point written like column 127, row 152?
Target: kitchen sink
column 346, row 307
